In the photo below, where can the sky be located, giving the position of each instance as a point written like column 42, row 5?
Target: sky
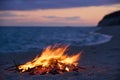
column 55, row 12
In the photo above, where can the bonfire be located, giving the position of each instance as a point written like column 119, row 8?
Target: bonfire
column 54, row 60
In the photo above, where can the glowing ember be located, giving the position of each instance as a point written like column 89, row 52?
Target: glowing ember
column 52, row 60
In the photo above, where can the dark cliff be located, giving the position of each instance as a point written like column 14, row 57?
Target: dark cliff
column 112, row 19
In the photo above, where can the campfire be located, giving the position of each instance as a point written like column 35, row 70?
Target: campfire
column 52, row 60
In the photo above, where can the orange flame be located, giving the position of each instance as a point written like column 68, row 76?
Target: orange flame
column 50, row 56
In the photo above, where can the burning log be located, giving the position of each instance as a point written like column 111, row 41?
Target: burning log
column 53, row 60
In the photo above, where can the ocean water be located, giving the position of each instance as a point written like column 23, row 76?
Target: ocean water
column 15, row 39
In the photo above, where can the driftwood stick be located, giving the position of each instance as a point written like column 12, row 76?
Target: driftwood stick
column 15, row 64
column 82, row 67
column 10, row 68
column 13, row 67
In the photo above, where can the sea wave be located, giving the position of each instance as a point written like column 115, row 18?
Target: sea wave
column 24, row 39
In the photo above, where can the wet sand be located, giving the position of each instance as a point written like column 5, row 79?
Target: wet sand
column 102, row 61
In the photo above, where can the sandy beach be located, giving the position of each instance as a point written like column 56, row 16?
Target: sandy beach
column 101, row 61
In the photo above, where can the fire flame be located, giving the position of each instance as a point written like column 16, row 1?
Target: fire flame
column 52, row 56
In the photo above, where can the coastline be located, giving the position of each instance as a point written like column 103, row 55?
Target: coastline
column 101, row 59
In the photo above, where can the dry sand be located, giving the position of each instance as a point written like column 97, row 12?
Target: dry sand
column 102, row 61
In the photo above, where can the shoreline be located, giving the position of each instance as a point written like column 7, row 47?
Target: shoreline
column 105, row 38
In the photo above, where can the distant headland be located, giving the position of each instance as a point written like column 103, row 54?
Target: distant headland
column 112, row 19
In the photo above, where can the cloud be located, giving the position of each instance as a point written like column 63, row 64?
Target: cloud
column 51, row 4
column 65, row 18
column 7, row 14
column 72, row 18
column 50, row 17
